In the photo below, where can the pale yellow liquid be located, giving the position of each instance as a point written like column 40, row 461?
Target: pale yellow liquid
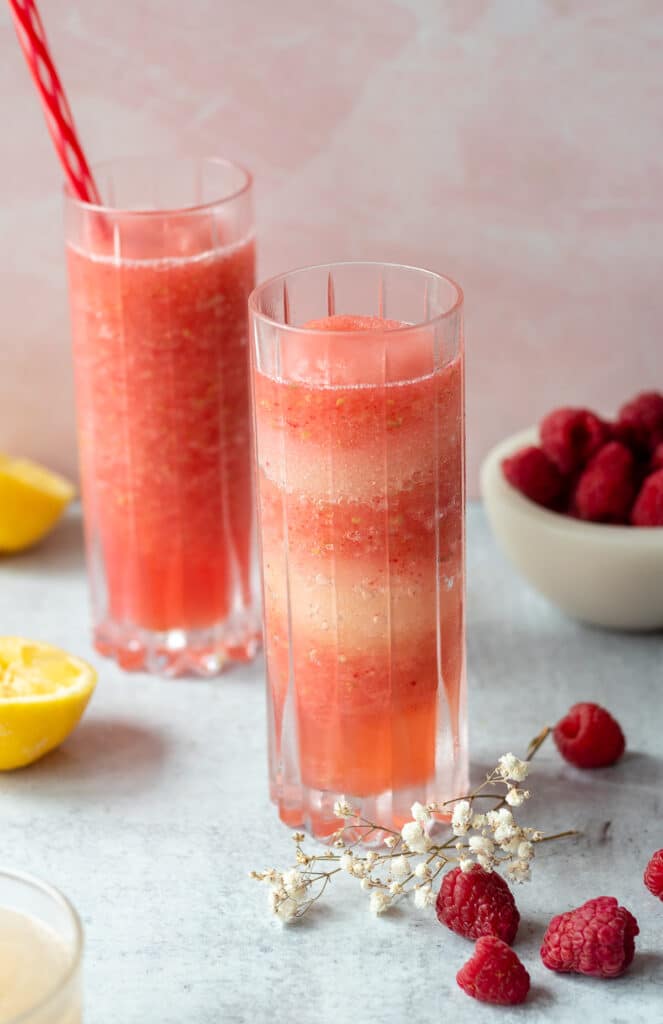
column 33, row 962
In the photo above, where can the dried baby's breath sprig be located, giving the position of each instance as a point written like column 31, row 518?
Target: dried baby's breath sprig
column 413, row 859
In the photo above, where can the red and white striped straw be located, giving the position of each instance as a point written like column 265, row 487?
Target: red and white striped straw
column 60, row 122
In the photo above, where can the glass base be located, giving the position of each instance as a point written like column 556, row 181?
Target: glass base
column 312, row 810
column 181, row 652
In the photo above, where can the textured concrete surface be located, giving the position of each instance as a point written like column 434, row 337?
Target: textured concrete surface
column 151, row 815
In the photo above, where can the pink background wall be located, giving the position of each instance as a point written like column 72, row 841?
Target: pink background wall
column 514, row 144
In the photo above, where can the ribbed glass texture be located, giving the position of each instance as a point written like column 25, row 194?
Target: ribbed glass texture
column 159, row 281
column 358, row 397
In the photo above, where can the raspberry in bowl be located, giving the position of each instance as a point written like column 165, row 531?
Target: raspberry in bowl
column 577, row 506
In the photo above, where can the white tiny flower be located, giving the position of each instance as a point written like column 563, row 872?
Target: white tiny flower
column 282, row 906
column 482, row 845
column 293, row 883
column 485, row 861
column 379, row 902
column 358, row 868
column 370, row 858
column 525, row 851
column 460, row 845
column 504, row 834
column 342, row 809
column 390, row 842
column 286, row 909
column 346, row 862
column 511, row 767
column 365, row 883
column 536, row 837
column 422, row 870
column 478, row 821
column 465, row 864
column 395, row 888
column 400, row 867
column 420, row 813
column 415, row 838
column 461, row 817
column 501, row 817
column 423, row 896
column 518, row 871
column 515, row 797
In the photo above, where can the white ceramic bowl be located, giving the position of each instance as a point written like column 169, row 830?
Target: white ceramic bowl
column 607, row 575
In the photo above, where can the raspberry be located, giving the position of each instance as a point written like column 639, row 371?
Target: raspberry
column 641, row 419
column 606, row 487
column 494, row 974
column 653, row 877
column 589, row 737
column 648, row 507
column 532, row 473
column 597, row 938
column 571, row 436
column 656, row 461
column 476, row 903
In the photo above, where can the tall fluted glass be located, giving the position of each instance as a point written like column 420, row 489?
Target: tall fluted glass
column 159, row 281
column 359, row 422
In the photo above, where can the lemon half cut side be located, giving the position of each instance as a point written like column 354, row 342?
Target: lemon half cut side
column 43, row 694
column 32, row 499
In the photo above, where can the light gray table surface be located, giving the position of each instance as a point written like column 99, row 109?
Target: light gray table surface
column 152, row 813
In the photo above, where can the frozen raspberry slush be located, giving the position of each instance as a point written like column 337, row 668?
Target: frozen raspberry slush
column 162, row 383
column 361, row 511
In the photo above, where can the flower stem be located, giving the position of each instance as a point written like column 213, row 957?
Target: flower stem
column 537, row 743
column 569, row 834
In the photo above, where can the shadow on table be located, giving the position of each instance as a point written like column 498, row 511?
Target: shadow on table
column 646, row 966
column 103, row 748
column 62, row 552
column 539, row 996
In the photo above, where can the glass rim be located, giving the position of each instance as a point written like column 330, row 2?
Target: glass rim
column 197, row 208
column 283, row 276
column 65, row 904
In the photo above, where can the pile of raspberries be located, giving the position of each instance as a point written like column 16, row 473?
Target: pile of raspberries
column 595, row 939
column 592, row 469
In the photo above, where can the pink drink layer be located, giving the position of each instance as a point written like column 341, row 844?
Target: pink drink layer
column 360, row 493
column 162, row 385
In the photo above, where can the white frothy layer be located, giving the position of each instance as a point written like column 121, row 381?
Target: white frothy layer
column 163, row 263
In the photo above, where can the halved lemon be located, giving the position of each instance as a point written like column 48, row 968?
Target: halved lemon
column 32, row 499
column 43, row 693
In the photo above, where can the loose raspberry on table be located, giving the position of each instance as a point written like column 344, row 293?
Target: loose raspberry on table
column 532, row 473
column 589, row 737
column 569, row 437
column 476, row 903
column 606, row 487
column 653, row 876
column 597, row 938
column 648, row 506
column 641, row 420
column 494, row 974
